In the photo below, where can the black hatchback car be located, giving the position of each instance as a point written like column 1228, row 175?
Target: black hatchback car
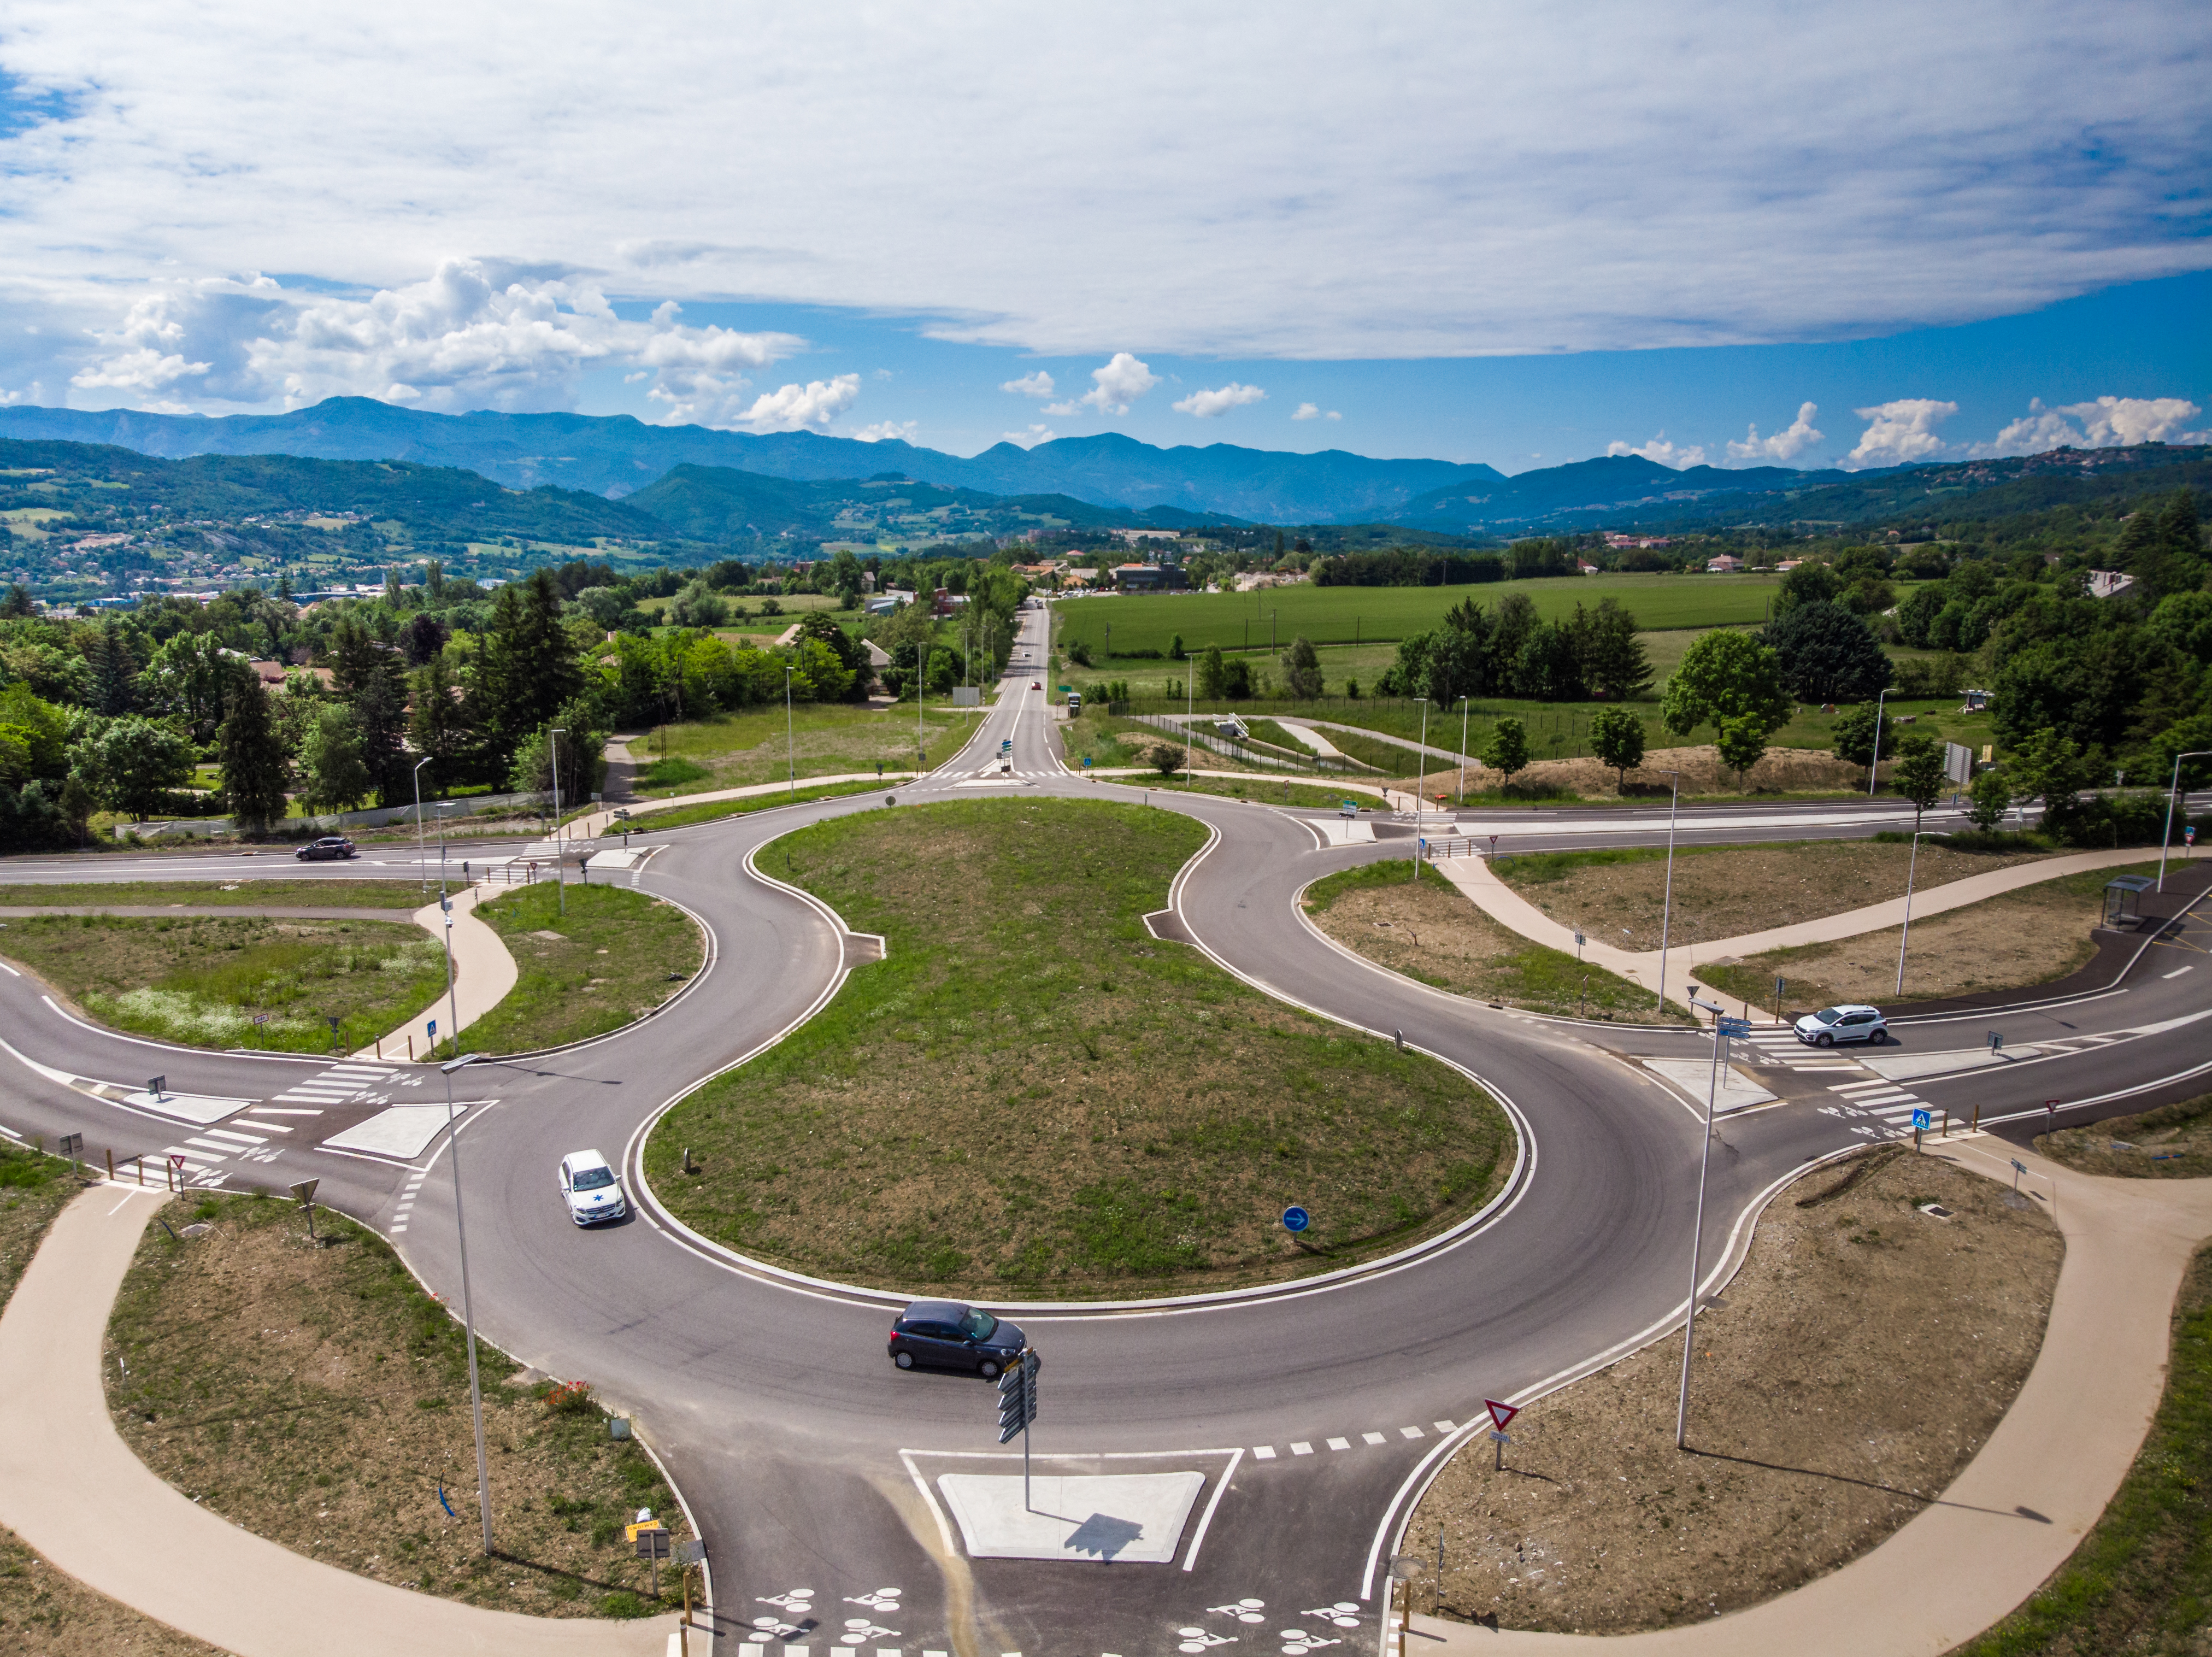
column 946, row 1334
column 330, row 846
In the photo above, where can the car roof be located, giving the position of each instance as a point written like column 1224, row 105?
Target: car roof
column 584, row 1160
column 935, row 1312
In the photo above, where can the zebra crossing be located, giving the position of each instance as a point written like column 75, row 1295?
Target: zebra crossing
column 1889, row 1107
column 262, row 1133
column 1782, row 1047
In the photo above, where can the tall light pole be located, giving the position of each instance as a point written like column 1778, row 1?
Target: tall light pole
column 1698, row 1231
column 1189, row 711
column 2172, row 792
column 790, row 741
column 559, row 874
column 421, row 861
column 1876, row 762
column 1911, row 866
column 1421, row 786
column 1463, row 751
column 468, row 1307
column 1666, row 903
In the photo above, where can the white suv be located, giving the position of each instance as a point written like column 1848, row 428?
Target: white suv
column 1849, row 1023
column 589, row 1188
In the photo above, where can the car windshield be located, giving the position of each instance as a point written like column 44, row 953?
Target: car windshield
column 593, row 1178
column 978, row 1326
column 1827, row 1015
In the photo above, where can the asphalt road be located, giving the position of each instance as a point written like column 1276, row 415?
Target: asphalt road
column 1312, row 1411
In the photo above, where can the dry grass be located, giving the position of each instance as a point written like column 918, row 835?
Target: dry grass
column 824, row 740
column 2174, row 1142
column 239, row 894
column 318, row 1397
column 1864, row 1354
column 1032, row 1093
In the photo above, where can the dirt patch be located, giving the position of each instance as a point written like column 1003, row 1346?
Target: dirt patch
column 318, row 1397
column 2171, row 1143
column 1724, row 893
column 2009, row 943
column 1861, row 1357
column 1030, row 1092
column 1429, row 930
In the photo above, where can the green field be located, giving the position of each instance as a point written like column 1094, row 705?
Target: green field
column 1347, row 615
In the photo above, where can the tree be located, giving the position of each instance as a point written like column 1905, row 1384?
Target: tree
column 254, row 771
column 331, row 757
column 526, row 670
column 1302, row 670
column 1548, row 669
column 379, row 711
column 1726, row 674
column 1990, row 798
column 441, row 728
column 112, row 672
column 852, row 654
column 1810, row 583
column 1613, row 664
column 1617, row 738
column 1212, row 675
column 1506, row 751
column 694, row 607
column 132, row 762
column 1164, row 759
column 1852, row 736
column 2045, row 766
column 1918, row 773
column 1828, row 654
column 17, row 605
column 1742, row 744
column 34, row 736
column 1175, row 651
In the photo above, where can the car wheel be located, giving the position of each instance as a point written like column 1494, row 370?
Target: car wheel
column 1824, row 1040
column 1879, row 1037
column 904, row 1360
column 989, row 1370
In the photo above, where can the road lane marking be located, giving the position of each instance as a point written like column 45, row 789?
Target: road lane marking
column 1371, row 1438
column 1339, row 1444
column 1411, row 1432
column 1301, row 1449
column 1263, row 1452
column 2178, row 970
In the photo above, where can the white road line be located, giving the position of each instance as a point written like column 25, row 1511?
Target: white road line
column 227, row 1136
column 1446, row 1427
column 2178, row 970
column 212, row 1145
column 1339, row 1444
column 1301, row 1449
column 1263, row 1452
column 1372, row 1438
column 1411, row 1432
column 267, row 1127
column 278, row 1109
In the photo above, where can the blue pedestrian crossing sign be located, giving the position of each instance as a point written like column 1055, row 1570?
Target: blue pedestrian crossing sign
column 1295, row 1219
column 1920, row 1121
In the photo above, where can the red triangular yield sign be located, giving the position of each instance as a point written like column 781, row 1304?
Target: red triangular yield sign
column 1501, row 1413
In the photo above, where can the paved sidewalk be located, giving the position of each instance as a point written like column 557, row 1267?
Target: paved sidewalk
column 2025, row 1502
column 71, row 1488
column 1474, row 876
column 483, row 974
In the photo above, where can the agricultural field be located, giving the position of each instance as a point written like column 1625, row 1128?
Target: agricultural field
column 824, row 740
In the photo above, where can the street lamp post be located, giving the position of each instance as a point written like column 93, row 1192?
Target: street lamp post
column 1698, row 1230
column 1421, row 786
column 1666, row 903
column 2172, row 793
column 1911, row 866
column 791, row 742
column 421, row 861
column 1189, row 711
column 1874, row 764
column 560, row 873
column 1463, row 751
column 468, row 1307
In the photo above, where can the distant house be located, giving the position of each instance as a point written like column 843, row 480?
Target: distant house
column 271, row 673
column 2103, row 583
column 1726, row 564
column 1585, row 566
column 1787, row 565
column 1148, row 577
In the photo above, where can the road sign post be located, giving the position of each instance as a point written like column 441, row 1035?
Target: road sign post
column 1920, row 1120
column 1018, row 1408
column 304, row 1195
column 1501, row 1417
column 1295, row 1219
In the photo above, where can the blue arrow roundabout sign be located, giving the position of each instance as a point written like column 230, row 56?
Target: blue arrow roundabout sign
column 1295, row 1219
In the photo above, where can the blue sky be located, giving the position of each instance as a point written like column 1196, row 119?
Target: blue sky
column 1466, row 228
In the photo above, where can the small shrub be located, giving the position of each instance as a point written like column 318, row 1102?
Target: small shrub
column 625, row 1604
column 569, row 1397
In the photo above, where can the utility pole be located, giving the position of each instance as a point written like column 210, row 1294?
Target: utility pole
column 421, row 861
column 790, row 742
column 468, row 1307
column 1722, row 1027
column 560, row 872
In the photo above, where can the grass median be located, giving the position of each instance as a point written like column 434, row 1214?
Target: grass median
column 1261, row 790
column 238, row 894
column 1030, row 1094
column 204, row 981
column 731, row 750
column 1429, row 930
column 2174, row 1142
column 713, row 810
column 610, row 959
column 317, row 1396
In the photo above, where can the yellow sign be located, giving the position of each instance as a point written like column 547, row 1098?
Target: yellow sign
column 1988, row 753
column 630, row 1532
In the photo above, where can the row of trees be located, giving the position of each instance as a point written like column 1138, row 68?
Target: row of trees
column 1509, row 651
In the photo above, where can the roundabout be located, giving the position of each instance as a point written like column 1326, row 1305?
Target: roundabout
column 1313, row 1410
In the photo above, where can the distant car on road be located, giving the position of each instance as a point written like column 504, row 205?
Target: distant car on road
column 1037, row 685
column 330, row 846
column 947, row 1335
column 1849, row 1023
column 589, row 1187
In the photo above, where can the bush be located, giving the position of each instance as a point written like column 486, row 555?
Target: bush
column 625, row 1604
column 569, row 1397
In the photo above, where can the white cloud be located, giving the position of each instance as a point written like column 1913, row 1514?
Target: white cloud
column 882, row 429
column 1120, row 383
column 810, row 407
column 1206, row 404
column 1030, row 384
column 1313, row 411
column 1901, row 431
column 1785, row 445
column 1031, row 438
column 1659, row 449
column 2103, row 423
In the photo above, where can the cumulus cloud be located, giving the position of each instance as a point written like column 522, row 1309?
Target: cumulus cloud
column 1030, row 384
column 2103, row 422
column 1114, row 388
column 1031, row 438
column 1659, row 449
column 1313, row 411
column 883, row 428
column 810, row 407
column 1206, row 404
column 1901, row 431
column 1785, row 445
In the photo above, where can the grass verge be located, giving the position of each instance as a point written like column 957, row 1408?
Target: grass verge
column 2174, row 1142
column 204, row 980
column 713, row 810
column 1799, row 1458
column 243, row 894
column 1032, row 1093
column 1428, row 930
column 731, row 750
column 2142, row 1580
column 1264, row 791
column 614, row 957
column 318, row 1397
